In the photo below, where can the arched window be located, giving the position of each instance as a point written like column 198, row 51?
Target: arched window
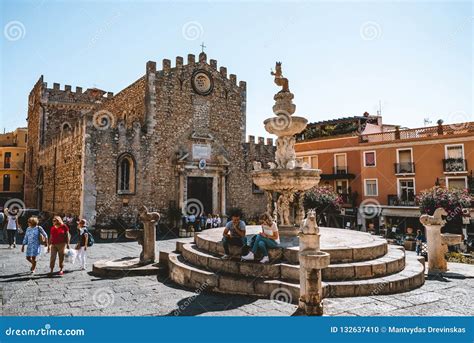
column 126, row 174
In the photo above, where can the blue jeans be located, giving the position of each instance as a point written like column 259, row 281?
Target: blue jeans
column 263, row 243
column 238, row 241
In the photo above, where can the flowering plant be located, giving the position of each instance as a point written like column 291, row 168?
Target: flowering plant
column 322, row 198
column 452, row 200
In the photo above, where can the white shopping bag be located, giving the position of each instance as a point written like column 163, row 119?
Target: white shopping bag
column 42, row 252
column 71, row 255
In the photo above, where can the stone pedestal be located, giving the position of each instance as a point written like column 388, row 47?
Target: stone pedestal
column 148, row 254
column 437, row 245
column 436, row 261
column 312, row 260
column 146, row 237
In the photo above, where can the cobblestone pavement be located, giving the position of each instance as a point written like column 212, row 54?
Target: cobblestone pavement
column 78, row 293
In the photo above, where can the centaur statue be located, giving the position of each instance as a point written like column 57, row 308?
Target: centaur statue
column 279, row 79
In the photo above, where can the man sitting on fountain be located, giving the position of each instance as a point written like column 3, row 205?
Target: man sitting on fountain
column 268, row 238
column 234, row 232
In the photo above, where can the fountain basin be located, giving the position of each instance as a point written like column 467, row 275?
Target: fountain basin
column 282, row 180
column 451, row 239
column 314, row 259
column 285, row 125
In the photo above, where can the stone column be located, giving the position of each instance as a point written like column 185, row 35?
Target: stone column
column 223, row 195
column 149, row 220
column 436, row 260
column 312, row 260
column 181, row 188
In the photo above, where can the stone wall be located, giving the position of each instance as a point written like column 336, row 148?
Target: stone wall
column 34, row 110
column 60, row 162
column 56, row 119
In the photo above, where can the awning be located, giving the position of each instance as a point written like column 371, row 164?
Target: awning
column 401, row 212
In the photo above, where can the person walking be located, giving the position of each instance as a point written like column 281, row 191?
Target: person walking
column 58, row 243
column 35, row 236
column 12, row 226
column 84, row 241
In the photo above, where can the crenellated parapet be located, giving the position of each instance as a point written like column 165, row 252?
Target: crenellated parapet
column 262, row 151
column 66, row 94
column 179, row 67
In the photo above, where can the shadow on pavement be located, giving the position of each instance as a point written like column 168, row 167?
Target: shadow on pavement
column 203, row 303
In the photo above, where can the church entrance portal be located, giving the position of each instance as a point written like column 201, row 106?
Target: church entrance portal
column 201, row 188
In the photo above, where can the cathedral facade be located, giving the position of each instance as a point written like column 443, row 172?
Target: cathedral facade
column 175, row 138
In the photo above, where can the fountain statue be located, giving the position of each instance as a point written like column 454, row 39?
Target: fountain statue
column 288, row 177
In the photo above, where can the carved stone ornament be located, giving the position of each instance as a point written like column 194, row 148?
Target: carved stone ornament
column 202, row 82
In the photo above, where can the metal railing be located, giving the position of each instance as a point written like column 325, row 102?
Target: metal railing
column 454, row 165
column 404, row 168
column 338, row 170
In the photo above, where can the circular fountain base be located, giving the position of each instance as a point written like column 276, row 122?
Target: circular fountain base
column 360, row 265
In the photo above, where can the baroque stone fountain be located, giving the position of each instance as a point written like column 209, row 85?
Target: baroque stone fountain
column 286, row 177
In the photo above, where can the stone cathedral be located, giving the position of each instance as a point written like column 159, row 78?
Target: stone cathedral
column 173, row 136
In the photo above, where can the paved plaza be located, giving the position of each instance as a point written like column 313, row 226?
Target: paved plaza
column 78, row 293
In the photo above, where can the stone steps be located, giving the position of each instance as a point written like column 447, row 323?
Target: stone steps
column 186, row 274
column 411, row 277
column 365, row 251
column 392, row 262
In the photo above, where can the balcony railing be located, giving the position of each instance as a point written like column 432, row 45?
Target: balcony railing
column 338, row 170
column 394, row 200
column 404, row 168
column 455, row 165
column 424, row 132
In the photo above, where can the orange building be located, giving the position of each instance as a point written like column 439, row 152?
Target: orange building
column 379, row 173
column 12, row 164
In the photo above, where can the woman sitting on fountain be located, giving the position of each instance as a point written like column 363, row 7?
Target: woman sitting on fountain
column 268, row 238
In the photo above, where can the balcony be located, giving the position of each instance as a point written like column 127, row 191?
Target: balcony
column 455, row 165
column 394, row 200
column 405, row 168
column 338, row 172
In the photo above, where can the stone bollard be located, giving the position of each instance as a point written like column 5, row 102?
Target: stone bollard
column 436, row 242
column 312, row 260
column 146, row 237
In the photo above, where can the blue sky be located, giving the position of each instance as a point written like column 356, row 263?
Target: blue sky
column 341, row 58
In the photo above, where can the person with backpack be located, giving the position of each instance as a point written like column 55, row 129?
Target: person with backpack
column 85, row 240
column 35, row 236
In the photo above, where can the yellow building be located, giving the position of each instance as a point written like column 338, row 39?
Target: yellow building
column 12, row 164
